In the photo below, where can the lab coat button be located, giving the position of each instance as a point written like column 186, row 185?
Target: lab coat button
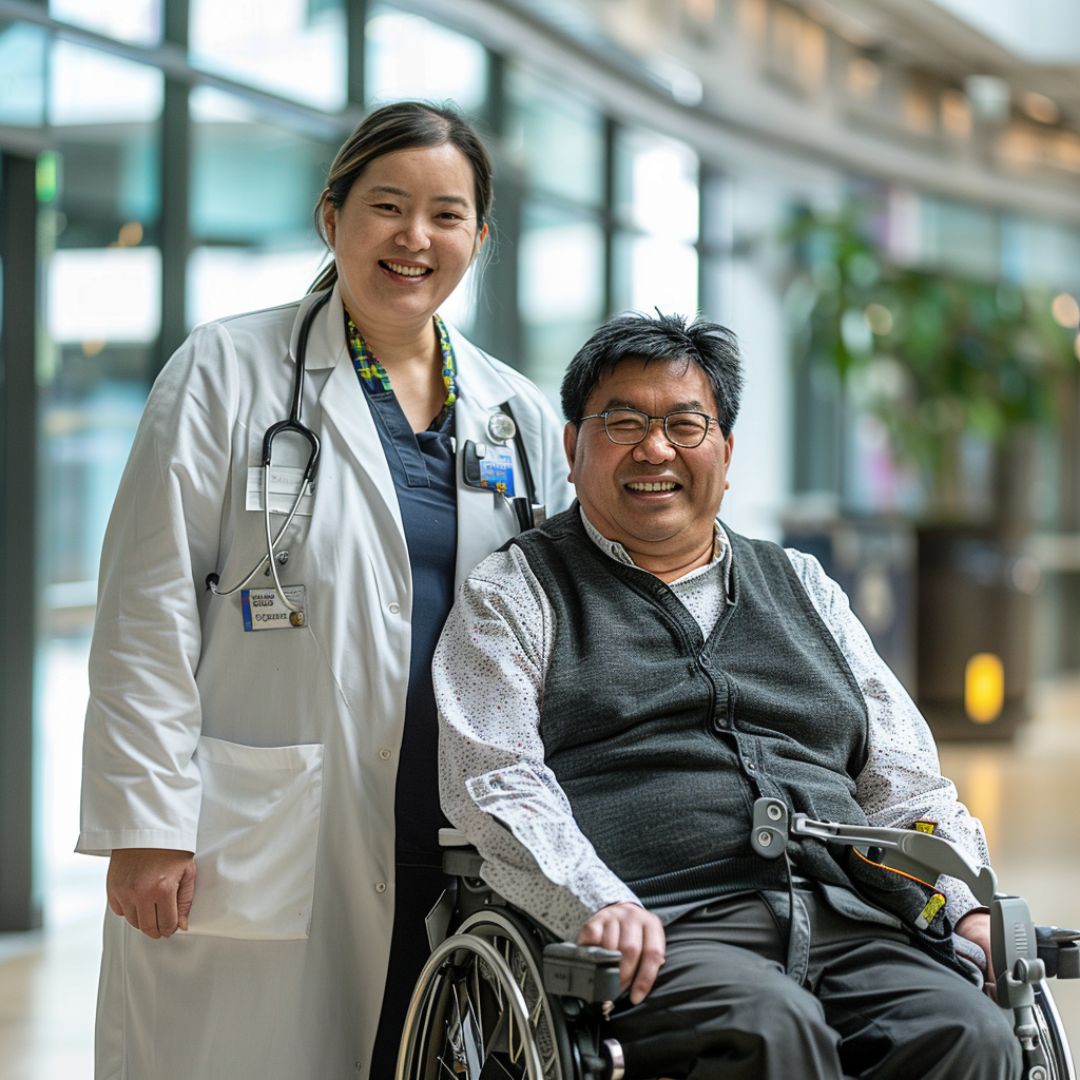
column 385, row 754
column 393, row 609
column 380, row 886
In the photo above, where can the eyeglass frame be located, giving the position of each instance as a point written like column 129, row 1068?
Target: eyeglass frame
column 648, row 427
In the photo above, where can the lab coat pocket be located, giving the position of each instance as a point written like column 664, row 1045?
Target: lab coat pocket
column 258, row 836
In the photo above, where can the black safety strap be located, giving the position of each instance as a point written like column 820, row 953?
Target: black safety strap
column 526, row 470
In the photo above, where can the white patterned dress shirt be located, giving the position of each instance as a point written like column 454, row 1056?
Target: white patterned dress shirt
column 489, row 673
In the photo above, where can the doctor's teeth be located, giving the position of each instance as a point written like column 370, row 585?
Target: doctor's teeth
column 406, row 271
column 663, row 485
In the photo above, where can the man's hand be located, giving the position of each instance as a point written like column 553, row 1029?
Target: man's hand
column 638, row 935
column 975, row 926
column 152, row 888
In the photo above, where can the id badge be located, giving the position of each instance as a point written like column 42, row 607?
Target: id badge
column 284, row 482
column 263, row 609
column 497, row 470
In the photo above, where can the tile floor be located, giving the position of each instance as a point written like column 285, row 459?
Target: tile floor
column 1027, row 793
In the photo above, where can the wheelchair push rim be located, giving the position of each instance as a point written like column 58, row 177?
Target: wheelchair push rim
column 479, row 1010
column 1052, row 1036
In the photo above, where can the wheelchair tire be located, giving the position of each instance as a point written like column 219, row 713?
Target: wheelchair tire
column 1052, row 1035
column 479, row 1010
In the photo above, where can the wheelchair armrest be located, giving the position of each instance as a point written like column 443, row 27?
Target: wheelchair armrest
column 586, row 972
column 1059, row 950
column 453, row 838
column 459, row 857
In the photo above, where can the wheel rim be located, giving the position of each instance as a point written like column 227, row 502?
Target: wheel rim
column 547, row 1030
column 1052, row 1035
column 467, row 1018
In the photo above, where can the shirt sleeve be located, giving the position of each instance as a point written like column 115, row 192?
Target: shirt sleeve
column 901, row 782
column 140, row 786
column 489, row 673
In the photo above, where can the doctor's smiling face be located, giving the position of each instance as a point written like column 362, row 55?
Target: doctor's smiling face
column 405, row 235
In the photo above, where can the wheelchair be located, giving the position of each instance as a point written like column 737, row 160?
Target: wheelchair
column 500, row 999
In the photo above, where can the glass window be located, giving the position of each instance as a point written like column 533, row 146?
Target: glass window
column 654, row 272
column 560, row 289
column 22, row 82
column 138, row 21
column 1042, row 251
column 546, row 130
column 225, row 280
column 252, row 182
column 407, row 56
column 295, row 48
column 959, row 237
column 461, row 307
column 91, row 87
column 718, row 243
column 101, row 295
column 656, row 184
column 98, row 295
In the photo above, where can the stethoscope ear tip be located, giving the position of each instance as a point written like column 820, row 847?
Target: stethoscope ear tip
column 211, row 582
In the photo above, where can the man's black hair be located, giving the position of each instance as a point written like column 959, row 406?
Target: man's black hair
column 666, row 338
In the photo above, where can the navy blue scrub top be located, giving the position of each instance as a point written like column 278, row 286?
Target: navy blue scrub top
column 422, row 465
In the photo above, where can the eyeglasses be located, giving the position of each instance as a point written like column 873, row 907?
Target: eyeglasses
column 629, row 426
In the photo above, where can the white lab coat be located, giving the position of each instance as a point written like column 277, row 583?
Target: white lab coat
column 272, row 755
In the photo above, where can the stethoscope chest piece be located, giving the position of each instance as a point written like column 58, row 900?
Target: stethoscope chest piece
column 501, row 427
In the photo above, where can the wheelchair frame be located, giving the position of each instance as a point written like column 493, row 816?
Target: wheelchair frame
column 500, row 990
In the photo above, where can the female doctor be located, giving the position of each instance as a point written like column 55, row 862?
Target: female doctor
column 260, row 749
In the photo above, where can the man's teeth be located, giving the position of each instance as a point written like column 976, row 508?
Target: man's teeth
column 661, row 485
column 407, row 271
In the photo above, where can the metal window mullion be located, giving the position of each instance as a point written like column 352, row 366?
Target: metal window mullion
column 175, row 165
column 610, row 135
column 356, row 17
column 20, row 885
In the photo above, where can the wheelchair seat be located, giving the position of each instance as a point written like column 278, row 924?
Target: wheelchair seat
column 500, row 998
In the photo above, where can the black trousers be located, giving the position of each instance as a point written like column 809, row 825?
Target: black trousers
column 868, row 1004
column 417, row 889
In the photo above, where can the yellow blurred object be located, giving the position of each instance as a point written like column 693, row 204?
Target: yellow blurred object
column 131, row 234
column 1066, row 310
column 984, row 688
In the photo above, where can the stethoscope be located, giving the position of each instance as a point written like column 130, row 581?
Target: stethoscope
column 501, row 428
column 294, row 425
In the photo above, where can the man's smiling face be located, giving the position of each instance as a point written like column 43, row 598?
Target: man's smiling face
column 655, row 498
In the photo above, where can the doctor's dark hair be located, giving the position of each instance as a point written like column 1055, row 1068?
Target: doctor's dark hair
column 404, row 125
column 667, row 339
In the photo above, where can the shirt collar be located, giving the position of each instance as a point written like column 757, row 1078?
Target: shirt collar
column 615, row 550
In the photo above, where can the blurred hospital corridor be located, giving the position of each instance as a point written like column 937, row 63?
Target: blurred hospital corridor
column 880, row 199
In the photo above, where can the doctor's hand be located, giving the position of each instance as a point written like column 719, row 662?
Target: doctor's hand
column 152, row 888
column 638, row 935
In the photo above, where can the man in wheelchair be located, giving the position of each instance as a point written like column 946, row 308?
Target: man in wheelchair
column 620, row 687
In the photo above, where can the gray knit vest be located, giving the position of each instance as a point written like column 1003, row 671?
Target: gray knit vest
column 662, row 740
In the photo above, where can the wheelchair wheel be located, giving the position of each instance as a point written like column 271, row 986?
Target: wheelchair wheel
column 1052, row 1036
column 479, row 1010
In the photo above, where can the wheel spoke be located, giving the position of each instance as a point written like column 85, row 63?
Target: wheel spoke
column 478, row 1011
column 497, row 1022
column 512, row 1075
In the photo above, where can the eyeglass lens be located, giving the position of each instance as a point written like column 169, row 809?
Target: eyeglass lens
column 684, row 429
